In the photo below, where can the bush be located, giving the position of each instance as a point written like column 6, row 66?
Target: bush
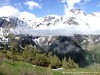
column 40, row 60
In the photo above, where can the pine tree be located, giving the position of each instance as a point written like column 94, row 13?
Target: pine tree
column 13, row 50
column 65, row 63
column 72, row 64
column 55, row 62
column 27, row 53
column 69, row 63
column 40, row 60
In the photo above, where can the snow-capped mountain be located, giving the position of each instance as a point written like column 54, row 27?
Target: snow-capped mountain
column 75, row 22
column 76, row 26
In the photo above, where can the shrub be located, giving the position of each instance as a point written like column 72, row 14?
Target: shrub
column 40, row 60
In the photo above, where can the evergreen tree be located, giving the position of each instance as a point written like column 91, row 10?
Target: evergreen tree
column 65, row 63
column 40, row 60
column 13, row 50
column 27, row 53
column 69, row 63
column 55, row 62
column 72, row 64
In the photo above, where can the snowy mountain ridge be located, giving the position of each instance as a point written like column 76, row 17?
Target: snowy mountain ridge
column 75, row 22
column 76, row 27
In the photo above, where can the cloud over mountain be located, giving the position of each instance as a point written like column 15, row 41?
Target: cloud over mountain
column 9, row 11
column 75, row 21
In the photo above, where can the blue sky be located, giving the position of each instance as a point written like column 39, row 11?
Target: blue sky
column 45, row 7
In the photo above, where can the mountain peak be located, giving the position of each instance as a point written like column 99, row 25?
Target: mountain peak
column 77, row 11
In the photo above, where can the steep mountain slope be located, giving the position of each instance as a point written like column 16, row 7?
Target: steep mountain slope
column 68, row 35
column 44, row 33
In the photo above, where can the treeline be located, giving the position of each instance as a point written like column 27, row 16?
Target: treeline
column 93, row 55
column 36, row 57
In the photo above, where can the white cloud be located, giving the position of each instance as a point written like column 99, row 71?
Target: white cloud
column 9, row 11
column 60, row 29
column 27, row 15
column 31, row 4
column 70, row 4
column 93, row 22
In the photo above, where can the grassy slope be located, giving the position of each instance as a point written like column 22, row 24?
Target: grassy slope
column 18, row 68
column 78, row 72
